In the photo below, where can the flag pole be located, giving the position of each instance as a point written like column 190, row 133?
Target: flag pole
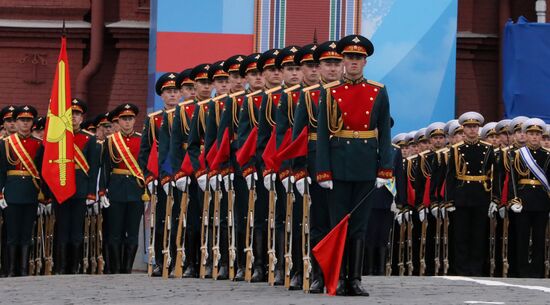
column 362, row 200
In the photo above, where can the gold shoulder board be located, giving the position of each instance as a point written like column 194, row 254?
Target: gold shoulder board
column 290, row 89
column 237, row 93
column 273, row 90
column 332, row 84
column 375, row 83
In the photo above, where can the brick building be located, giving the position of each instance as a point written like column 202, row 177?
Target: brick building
column 29, row 42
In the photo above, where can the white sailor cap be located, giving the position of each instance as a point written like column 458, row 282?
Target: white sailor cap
column 400, row 139
column 448, row 124
column 502, row 126
column 410, row 136
column 488, row 129
column 516, row 123
column 471, row 117
column 454, row 127
column 533, row 124
column 434, row 129
column 420, row 135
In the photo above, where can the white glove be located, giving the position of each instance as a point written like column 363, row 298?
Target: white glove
column 516, row 208
column 96, row 208
column 3, row 203
column 227, row 179
column 213, row 182
column 399, row 218
column 422, row 215
column 150, row 186
column 268, row 179
column 285, row 182
column 442, row 210
column 451, row 209
column 407, row 215
column 249, row 180
column 48, row 209
column 202, row 182
column 182, row 182
column 166, row 187
column 41, row 209
column 104, row 202
column 89, row 202
column 492, row 209
column 434, row 211
column 146, row 206
column 326, row 184
column 300, row 185
column 393, row 208
column 380, row 182
column 502, row 212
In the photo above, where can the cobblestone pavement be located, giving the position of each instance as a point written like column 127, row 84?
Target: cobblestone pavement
column 140, row 289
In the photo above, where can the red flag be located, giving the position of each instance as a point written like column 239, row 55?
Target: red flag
column 504, row 196
column 426, row 195
column 187, row 166
column 329, row 252
column 212, row 154
column 58, row 166
column 223, row 152
column 298, row 147
column 270, row 150
column 410, row 193
column 153, row 160
column 248, row 149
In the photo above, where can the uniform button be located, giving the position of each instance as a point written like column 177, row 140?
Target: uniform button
column 339, row 100
column 366, row 126
column 481, row 162
column 468, row 182
column 467, row 145
column 375, row 89
column 347, row 142
column 333, row 91
column 312, row 93
column 467, row 163
column 363, row 85
column 345, row 87
column 186, row 107
column 367, row 113
column 371, row 98
column 345, row 113
column 468, row 172
column 365, row 141
column 347, row 127
column 480, row 172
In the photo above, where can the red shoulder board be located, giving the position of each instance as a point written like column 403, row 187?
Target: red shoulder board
column 189, row 109
column 356, row 102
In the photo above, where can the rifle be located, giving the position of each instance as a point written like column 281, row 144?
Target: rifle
column 180, row 235
column 410, row 266
column 506, row 222
column 151, row 254
column 271, row 236
column 48, row 252
column 288, row 233
column 547, row 252
column 389, row 254
column 401, row 251
column 39, row 245
column 492, row 244
column 99, row 243
column 167, row 230
column 250, row 232
column 93, row 254
column 31, row 250
column 1, row 225
column 437, row 243
column 86, row 246
column 422, row 250
column 231, row 230
column 446, row 242
column 306, row 246
column 216, row 255
column 204, row 232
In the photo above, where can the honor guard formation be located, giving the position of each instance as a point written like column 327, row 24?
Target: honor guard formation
column 254, row 159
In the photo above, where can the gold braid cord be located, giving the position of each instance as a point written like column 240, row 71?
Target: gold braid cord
column 335, row 123
column 309, row 107
column 268, row 108
column 253, row 121
column 290, row 110
column 114, row 159
column 409, row 170
column 184, row 121
column 234, row 112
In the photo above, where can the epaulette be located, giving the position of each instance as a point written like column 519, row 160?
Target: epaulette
column 423, row 153
column 219, row 97
column 186, row 102
column 171, row 110
column 311, row 87
column 204, row 102
column 442, row 150
column 273, row 89
column 232, row 95
column 109, row 136
column 137, row 133
column 100, row 141
column 396, row 146
column 87, row 132
column 154, row 113
column 332, row 84
column 375, row 83
column 506, row 148
column 497, row 149
column 410, row 158
column 486, row 143
column 254, row 93
column 458, row 144
column 290, row 89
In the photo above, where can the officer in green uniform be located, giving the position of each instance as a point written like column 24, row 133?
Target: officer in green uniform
column 354, row 151
column 38, row 127
column 71, row 213
column 168, row 89
column 20, row 162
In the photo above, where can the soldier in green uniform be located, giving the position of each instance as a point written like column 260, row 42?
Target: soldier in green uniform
column 38, row 127
column 20, row 163
column 8, row 121
column 354, row 151
column 71, row 213
column 104, row 127
column 168, row 89
column 469, row 191
column 122, row 190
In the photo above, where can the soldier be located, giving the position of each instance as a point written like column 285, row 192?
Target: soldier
column 168, row 89
column 469, row 190
column 89, row 125
column 104, row 127
column 501, row 129
column 38, row 127
column 354, row 151
column 532, row 204
column 546, row 138
column 70, row 214
column 20, row 162
column 8, row 121
column 122, row 190
column 489, row 134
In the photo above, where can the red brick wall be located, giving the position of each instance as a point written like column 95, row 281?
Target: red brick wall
column 303, row 17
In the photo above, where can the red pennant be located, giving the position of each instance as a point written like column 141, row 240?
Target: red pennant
column 284, row 144
column 248, row 150
column 442, row 192
column 426, row 196
column 298, row 147
column 187, row 166
column 504, row 195
column 270, row 150
column 410, row 193
column 212, row 154
column 153, row 160
column 223, row 152
column 329, row 252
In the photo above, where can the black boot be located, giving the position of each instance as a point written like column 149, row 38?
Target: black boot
column 317, row 280
column 280, row 252
column 341, row 288
column 106, row 260
column 355, row 268
column 258, row 274
column 296, row 282
column 76, row 259
column 380, row 266
column 129, row 256
column 368, row 268
column 191, row 248
column 24, row 263
column 241, row 257
column 61, row 259
column 115, row 258
column 12, row 257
